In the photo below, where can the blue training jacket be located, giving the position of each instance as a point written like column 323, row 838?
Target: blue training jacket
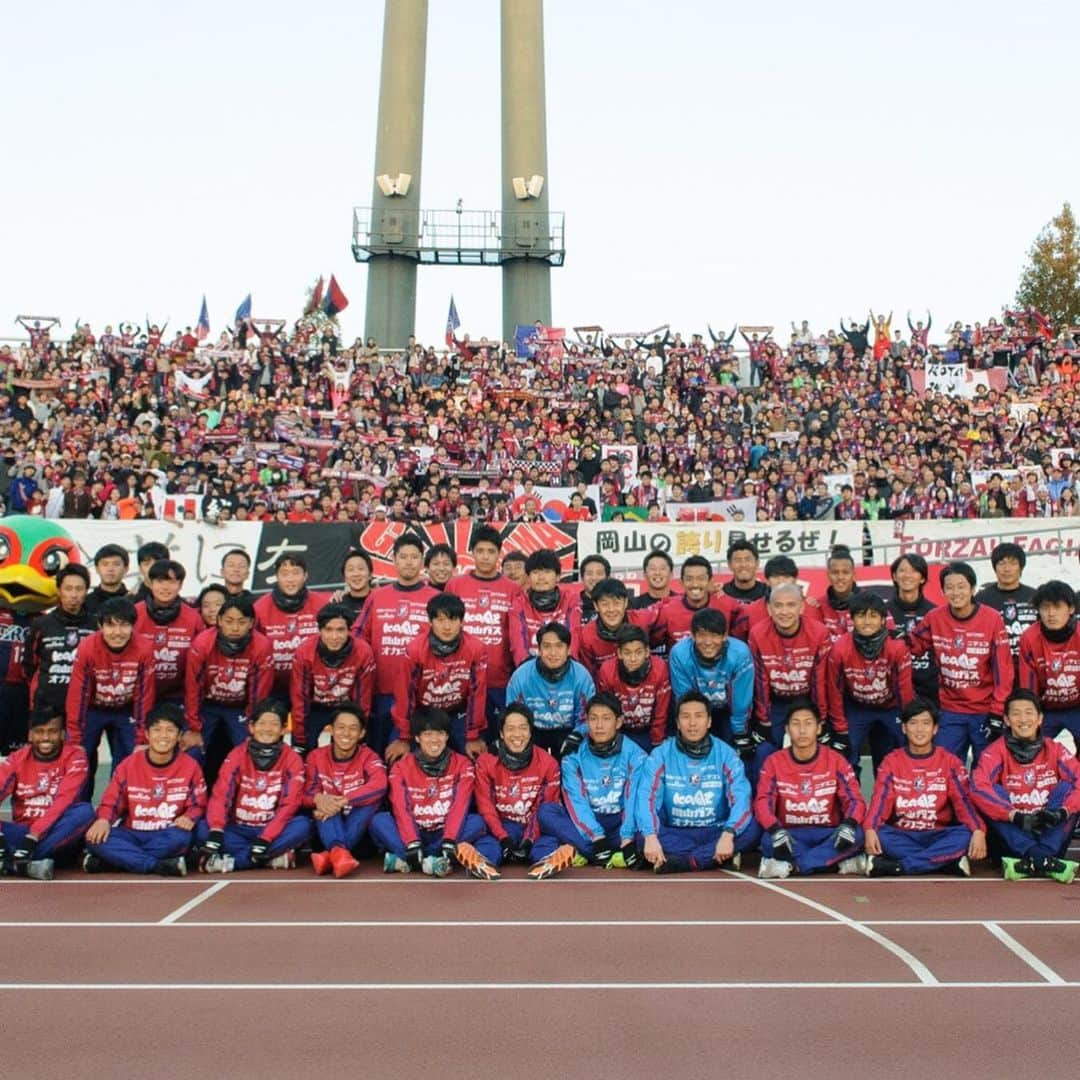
column 728, row 684
column 554, row 704
column 602, row 785
column 688, row 792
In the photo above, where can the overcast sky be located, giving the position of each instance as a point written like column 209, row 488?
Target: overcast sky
column 715, row 161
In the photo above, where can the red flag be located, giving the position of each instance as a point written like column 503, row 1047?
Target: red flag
column 335, row 299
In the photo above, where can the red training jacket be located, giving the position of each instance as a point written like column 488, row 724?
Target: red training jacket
column 148, row 797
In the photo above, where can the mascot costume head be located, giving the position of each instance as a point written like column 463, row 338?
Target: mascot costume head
column 32, row 551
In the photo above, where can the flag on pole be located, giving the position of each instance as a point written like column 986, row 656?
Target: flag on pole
column 452, row 322
column 335, row 300
column 202, row 330
column 243, row 312
column 315, row 299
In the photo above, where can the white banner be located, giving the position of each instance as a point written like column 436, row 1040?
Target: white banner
column 835, row 481
column 1052, row 550
column 198, row 546
column 625, row 544
column 1015, row 478
column 718, row 510
column 554, row 501
column 954, row 380
column 1058, row 452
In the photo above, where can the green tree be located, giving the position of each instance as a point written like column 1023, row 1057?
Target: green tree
column 1051, row 279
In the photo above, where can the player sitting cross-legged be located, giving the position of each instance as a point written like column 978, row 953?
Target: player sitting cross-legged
column 808, row 804
column 146, row 821
column 253, row 819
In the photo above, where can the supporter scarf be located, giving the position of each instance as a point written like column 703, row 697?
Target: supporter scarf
column 552, row 674
column 265, row 755
column 514, row 762
column 443, row 648
column 606, row 749
column 1024, row 750
column 1059, row 636
column 433, row 768
column 233, row 646
column 634, row 678
column 697, row 749
column 162, row 616
column 289, row 604
column 334, row 658
column 869, row 648
column 548, row 600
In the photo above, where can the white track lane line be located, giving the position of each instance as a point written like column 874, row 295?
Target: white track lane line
column 193, row 903
column 1025, row 954
column 919, row 969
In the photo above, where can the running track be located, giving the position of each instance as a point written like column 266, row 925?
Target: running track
column 590, row 975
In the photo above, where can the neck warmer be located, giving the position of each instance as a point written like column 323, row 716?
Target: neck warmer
column 443, row 648
column 164, row 615
column 80, row 618
column 1058, row 637
column 289, row 604
column 604, row 634
column 265, row 755
column 514, row 762
column 869, row 648
column 233, row 646
column 548, row 600
column 837, row 604
column 634, row 678
column 1024, row 750
column 697, row 749
column 334, row 658
column 606, row 749
column 552, row 674
column 436, row 767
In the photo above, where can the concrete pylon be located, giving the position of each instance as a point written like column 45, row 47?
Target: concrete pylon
column 526, row 281
column 390, row 315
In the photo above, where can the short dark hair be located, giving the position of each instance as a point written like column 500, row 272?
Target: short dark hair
column 169, row 711
column 118, row 608
column 485, row 534
column 349, row 709
column 236, row 551
column 918, row 705
column 961, row 568
column 544, row 559
column 166, row 569
column 290, row 558
column 556, row 628
column 1024, row 695
column 708, row 620
column 515, row 556
column 696, row 560
column 743, row 544
column 781, row 566
column 692, row 697
column 244, row 604
column 841, row 553
column 328, row 612
column 112, row 551
column 658, row 555
column 151, row 551
column 594, row 559
column 357, row 553
column 73, row 569
column 521, row 709
column 270, row 705
column 864, row 601
column 453, row 607
column 1008, row 550
column 604, row 699
column 408, row 539
column 1054, row 592
column 611, row 587
column 801, row 704
column 916, row 562
column 428, row 719
column 440, row 549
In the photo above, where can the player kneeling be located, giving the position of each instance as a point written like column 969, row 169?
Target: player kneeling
column 145, row 823
column 512, row 784
column 253, row 819
column 921, row 818
column 1028, row 789
column 693, row 798
column 344, row 784
column 596, row 822
column 44, row 780
column 430, row 791
column 809, row 804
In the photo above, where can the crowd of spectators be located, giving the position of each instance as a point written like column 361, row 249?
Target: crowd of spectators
column 267, row 423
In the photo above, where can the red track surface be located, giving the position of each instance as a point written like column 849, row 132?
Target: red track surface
column 591, row 975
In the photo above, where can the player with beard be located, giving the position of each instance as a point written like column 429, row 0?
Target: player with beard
column 44, row 780
column 642, row 684
column 287, row 615
column 513, row 782
column 1028, row 788
column 253, row 820
column 541, row 603
column 1050, row 658
column 595, row 821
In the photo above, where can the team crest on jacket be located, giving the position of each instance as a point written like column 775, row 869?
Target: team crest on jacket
column 43, row 782
column 919, row 783
column 159, row 791
column 432, row 790
column 1029, row 776
column 1055, row 664
column 260, row 783
column 515, row 789
column 1008, row 612
column 789, row 659
column 694, row 779
column 632, row 700
column 72, row 637
column 605, row 780
column 806, row 786
column 402, row 610
column 958, row 641
column 160, row 637
column 483, row 600
column 290, row 626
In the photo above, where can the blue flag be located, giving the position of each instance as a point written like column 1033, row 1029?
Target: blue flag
column 243, row 312
column 202, row 330
column 525, row 340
